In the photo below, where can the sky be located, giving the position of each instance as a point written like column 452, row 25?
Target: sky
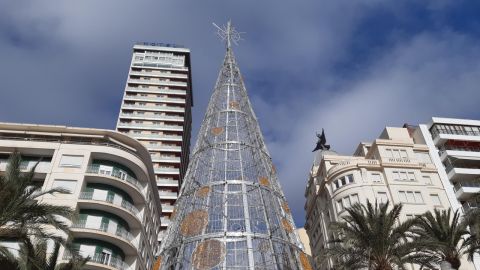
column 350, row 67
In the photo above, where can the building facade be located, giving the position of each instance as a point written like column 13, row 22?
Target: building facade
column 396, row 167
column 156, row 110
column 455, row 149
column 112, row 185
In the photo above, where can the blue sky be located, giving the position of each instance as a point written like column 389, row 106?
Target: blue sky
column 351, row 67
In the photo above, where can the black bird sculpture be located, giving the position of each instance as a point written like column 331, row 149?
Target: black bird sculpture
column 321, row 143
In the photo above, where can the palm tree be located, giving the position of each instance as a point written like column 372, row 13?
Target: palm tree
column 371, row 237
column 472, row 220
column 441, row 237
column 35, row 256
column 22, row 214
column 19, row 201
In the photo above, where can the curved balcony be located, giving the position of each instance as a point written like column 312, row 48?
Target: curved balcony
column 126, row 182
column 119, row 236
column 123, row 209
column 101, row 261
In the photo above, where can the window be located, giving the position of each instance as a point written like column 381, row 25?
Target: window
column 410, row 196
column 342, row 181
column 376, row 177
column 71, row 161
column 435, row 199
column 403, row 176
column 396, row 153
column 69, row 185
column 427, row 179
column 382, row 197
column 347, row 202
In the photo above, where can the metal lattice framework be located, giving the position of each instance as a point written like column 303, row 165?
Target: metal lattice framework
column 231, row 213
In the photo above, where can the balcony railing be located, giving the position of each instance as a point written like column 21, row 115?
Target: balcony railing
column 123, row 204
column 119, row 231
column 154, row 108
column 113, row 261
column 458, row 148
column 154, row 99
column 144, row 116
column 157, row 82
column 116, row 173
column 153, row 90
column 470, row 205
column 467, row 183
column 176, row 127
column 156, row 136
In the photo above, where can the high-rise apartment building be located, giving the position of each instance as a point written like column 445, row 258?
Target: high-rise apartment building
column 455, row 149
column 396, row 167
column 156, row 110
column 112, row 185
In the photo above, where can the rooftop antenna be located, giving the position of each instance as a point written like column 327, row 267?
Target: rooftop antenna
column 228, row 34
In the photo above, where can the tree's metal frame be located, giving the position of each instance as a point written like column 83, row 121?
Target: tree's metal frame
column 231, row 177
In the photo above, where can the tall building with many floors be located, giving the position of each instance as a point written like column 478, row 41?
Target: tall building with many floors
column 156, row 110
column 112, row 185
column 455, row 148
column 396, row 167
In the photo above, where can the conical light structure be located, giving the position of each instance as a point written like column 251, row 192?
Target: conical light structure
column 231, row 213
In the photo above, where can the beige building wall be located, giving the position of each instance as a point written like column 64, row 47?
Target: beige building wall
column 392, row 168
column 112, row 185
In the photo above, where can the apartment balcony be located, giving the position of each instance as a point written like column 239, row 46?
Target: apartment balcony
column 118, row 236
column 155, row 99
column 164, row 222
column 461, row 169
column 166, row 170
column 162, row 147
column 42, row 167
column 167, row 208
column 464, row 190
column 151, row 126
column 158, row 65
column 120, row 178
column 123, row 208
column 153, row 108
column 156, row 91
column 167, row 195
column 441, row 135
column 159, row 74
column 161, row 137
column 165, row 159
column 151, row 117
column 167, row 183
column 467, row 206
column 158, row 82
column 459, row 152
column 101, row 261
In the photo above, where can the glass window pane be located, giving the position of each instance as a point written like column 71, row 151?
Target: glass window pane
column 435, row 199
column 403, row 196
column 418, row 197
column 410, row 197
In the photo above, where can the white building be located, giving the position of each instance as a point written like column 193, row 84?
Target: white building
column 112, row 184
column 455, row 148
column 395, row 167
column 156, row 110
